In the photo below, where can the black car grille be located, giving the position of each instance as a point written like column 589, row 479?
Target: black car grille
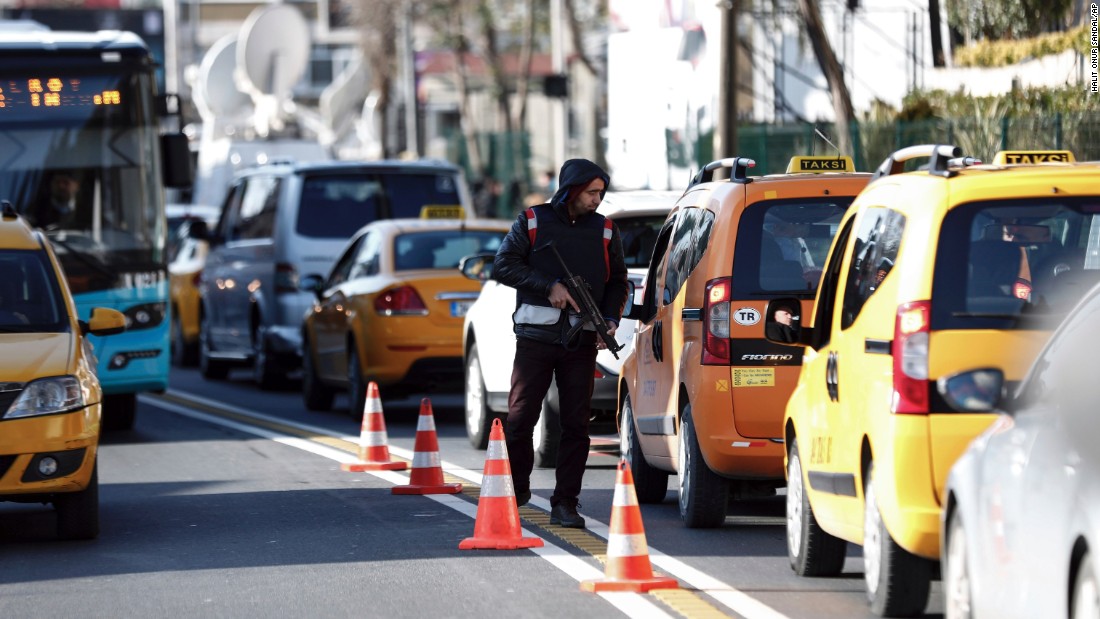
column 8, row 396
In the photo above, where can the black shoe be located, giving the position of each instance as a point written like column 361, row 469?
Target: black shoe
column 565, row 514
column 522, row 497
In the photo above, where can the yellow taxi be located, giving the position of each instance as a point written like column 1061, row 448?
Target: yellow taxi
column 49, row 393
column 391, row 310
column 702, row 393
column 952, row 266
column 187, row 249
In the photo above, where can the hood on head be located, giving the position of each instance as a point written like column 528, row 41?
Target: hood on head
column 578, row 172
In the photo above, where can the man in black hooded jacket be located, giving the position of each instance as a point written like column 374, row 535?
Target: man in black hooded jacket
column 590, row 245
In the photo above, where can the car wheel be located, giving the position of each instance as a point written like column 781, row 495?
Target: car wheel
column 265, row 369
column 897, row 580
column 357, row 386
column 547, row 434
column 703, row 494
column 78, row 512
column 184, row 353
column 118, row 411
column 316, row 395
column 214, row 369
column 1085, row 603
column 956, row 572
column 811, row 550
column 650, row 484
column 479, row 419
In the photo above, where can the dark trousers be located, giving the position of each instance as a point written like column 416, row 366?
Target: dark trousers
column 536, row 364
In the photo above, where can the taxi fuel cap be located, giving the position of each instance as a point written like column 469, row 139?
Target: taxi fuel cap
column 817, row 165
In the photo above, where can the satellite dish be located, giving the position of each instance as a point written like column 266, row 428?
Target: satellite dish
column 273, row 50
column 215, row 94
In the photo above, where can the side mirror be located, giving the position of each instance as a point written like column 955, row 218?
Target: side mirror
column 312, row 283
column 478, row 267
column 175, row 150
column 786, row 328
column 198, row 229
column 972, row 391
column 104, row 321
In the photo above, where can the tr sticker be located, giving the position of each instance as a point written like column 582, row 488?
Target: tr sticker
column 746, row 316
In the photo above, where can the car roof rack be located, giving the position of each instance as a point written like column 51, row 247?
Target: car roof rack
column 943, row 160
column 740, row 167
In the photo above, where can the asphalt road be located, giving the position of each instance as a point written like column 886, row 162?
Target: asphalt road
column 228, row 501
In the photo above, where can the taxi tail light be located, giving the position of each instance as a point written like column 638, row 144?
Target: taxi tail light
column 716, row 322
column 196, row 279
column 910, row 352
column 286, row 278
column 402, row 301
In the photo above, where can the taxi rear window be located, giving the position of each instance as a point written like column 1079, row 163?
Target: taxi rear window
column 782, row 245
column 1019, row 264
column 30, row 299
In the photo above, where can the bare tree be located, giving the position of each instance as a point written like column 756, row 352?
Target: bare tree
column 934, row 24
column 378, row 28
column 498, row 83
column 834, row 73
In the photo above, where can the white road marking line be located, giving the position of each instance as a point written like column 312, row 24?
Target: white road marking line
column 727, row 595
column 630, row 604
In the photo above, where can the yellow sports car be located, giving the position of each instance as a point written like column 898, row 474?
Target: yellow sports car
column 391, row 310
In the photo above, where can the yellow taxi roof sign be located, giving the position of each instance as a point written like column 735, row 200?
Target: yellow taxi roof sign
column 817, row 165
column 442, row 211
column 1010, row 157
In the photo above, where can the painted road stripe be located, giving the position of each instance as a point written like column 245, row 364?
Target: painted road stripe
column 727, row 595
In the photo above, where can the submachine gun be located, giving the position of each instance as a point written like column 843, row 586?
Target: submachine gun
column 590, row 312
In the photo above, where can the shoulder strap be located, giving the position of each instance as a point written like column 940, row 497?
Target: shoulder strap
column 606, row 244
column 532, row 225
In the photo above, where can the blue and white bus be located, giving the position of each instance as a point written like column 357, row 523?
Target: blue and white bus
column 83, row 158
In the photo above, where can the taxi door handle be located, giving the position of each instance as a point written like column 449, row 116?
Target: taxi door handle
column 655, row 343
column 832, row 382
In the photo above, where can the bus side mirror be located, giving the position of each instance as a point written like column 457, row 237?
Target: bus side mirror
column 175, row 152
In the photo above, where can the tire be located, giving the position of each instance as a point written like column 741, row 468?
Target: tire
column 316, row 395
column 547, row 435
column 957, row 592
column 118, row 411
column 703, row 494
column 265, row 370
column 479, row 419
column 184, row 354
column 897, row 580
column 78, row 512
column 357, row 387
column 650, row 484
column 210, row 368
column 811, row 550
column 1085, row 599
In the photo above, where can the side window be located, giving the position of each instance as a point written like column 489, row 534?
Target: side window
column 257, row 218
column 688, row 244
column 230, row 211
column 656, row 263
column 873, row 257
column 341, row 271
column 827, row 291
column 370, row 254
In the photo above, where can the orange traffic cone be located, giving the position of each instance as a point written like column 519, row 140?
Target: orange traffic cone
column 628, row 567
column 497, row 524
column 374, row 451
column 427, row 474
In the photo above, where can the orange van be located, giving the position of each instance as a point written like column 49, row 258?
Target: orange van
column 702, row 394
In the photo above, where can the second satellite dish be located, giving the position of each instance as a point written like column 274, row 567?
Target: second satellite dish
column 215, row 94
column 273, row 50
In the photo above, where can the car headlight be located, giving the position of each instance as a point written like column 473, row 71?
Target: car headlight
column 46, row 396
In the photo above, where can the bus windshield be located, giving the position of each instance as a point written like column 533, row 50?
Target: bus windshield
column 80, row 163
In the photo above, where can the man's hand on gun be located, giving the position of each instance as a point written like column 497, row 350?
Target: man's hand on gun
column 560, row 297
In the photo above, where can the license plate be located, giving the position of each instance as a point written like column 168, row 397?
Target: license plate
column 459, row 308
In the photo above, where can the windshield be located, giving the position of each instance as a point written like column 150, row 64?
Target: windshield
column 1021, row 257
column 30, row 298
column 335, row 206
column 782, row 245
column 442, row 249
column 81, row 165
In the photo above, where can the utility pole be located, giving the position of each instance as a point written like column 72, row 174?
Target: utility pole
column 725, row 138
column 557, row 59
column 408, row 79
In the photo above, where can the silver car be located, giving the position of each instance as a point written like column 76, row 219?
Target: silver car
column 1021, row 524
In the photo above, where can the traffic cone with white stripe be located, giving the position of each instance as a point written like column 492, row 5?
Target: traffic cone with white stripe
column 628, row 567
column 374, row 450
column 497, row 526
column 427, row 474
